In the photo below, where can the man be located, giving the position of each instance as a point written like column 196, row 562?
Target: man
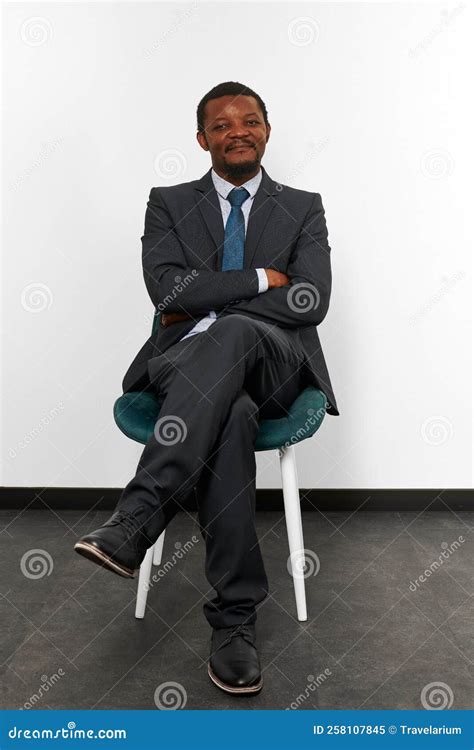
column 239, row 267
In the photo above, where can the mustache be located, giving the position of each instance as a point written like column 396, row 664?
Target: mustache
column 240, row 145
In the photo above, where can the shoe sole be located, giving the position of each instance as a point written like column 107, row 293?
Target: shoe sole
column 96, row 555
column 235, row 690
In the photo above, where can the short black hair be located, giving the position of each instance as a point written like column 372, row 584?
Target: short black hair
column 229, row 88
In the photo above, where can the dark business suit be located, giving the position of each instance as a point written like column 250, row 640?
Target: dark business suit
column 251, row 363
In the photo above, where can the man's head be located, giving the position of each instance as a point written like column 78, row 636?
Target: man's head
column 233, row 126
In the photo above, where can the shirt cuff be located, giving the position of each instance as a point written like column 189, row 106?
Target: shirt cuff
column 262, row 280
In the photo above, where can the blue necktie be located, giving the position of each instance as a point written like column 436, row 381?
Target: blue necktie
column 234, row 235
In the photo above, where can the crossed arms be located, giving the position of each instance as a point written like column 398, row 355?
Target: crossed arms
column 300, row 296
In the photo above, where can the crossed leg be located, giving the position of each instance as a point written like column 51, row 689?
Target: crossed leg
column 216, row 385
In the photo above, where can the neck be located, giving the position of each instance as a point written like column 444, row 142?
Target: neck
column 239, row 179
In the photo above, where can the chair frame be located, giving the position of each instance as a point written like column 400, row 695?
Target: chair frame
column 294, row 527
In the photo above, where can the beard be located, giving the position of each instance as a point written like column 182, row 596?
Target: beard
column 240, row 169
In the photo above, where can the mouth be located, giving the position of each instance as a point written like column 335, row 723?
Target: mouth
column 240, row 148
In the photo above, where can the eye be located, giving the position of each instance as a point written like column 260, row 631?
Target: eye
column 253, row 121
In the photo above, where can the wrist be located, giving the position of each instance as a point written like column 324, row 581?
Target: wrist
column 263, row 282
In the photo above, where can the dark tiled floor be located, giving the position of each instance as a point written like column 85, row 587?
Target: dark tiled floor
column 379, row 641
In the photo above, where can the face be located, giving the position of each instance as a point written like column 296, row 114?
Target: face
column 235, row 135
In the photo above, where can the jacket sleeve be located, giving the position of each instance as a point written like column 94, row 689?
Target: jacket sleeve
column 305, row 300
column 172, row 284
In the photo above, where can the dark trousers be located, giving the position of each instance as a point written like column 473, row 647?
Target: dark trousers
column 215, row 386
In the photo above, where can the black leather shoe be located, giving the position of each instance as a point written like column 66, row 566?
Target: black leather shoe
column 234, row 665
column 121, row 543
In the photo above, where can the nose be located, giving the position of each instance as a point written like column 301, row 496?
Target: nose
column 236, row 132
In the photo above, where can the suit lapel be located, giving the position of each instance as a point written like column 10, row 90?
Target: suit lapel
column 207, row 201
column 262, row 206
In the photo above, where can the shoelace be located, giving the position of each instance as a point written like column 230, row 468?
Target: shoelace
column 243, row 630
column 128, row 521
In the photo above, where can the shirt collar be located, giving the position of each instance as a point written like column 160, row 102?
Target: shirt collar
column 223, row 187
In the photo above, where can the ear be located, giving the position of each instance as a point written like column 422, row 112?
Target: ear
column 269, row 127
column 202, row 140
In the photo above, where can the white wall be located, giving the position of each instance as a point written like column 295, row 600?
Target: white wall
column 366, row 103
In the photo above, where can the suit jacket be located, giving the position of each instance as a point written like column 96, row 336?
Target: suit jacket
column 182, row 249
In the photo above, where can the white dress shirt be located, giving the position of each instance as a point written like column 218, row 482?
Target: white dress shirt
column 223, row 189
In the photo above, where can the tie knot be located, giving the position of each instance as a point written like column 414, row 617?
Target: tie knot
column 237, row 196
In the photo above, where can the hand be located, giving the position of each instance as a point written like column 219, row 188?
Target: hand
column 276, row 278
column 167, row 318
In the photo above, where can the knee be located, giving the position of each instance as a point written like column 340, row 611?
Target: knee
column 233, row 324
column 244, row 407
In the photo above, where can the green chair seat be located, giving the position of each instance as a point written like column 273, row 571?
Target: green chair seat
column 136, row 413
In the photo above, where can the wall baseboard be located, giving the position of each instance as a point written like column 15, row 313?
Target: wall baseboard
column 78, row 498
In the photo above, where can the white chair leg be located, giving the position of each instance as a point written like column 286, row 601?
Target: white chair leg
column 153, row 556
column 294, row 526
column 143, row 584
column 158, row 548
